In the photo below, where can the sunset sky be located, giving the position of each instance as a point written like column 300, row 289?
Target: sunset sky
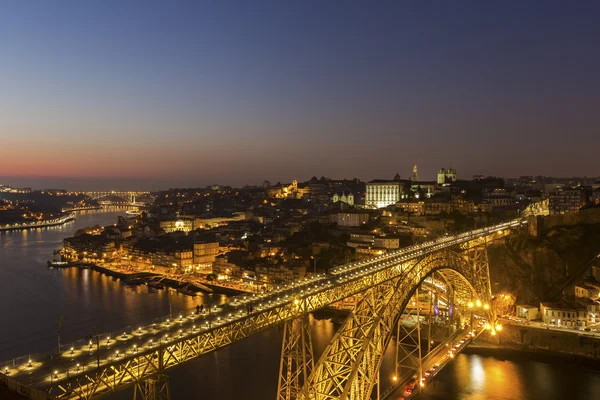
column 107, row 95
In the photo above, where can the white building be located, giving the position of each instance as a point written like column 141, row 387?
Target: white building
column 382, row 193
column 527, row 312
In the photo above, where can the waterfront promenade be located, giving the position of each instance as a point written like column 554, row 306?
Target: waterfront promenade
column 38, row 224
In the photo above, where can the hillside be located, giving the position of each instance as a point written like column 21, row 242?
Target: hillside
column 535, row 267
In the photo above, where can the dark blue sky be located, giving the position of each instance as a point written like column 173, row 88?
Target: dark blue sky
column 190, row 93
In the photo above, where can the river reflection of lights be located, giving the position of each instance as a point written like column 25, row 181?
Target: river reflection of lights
column 477, row 373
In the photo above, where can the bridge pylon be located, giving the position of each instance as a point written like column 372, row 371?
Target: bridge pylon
column 478, row 258
column 297, row 360
column 155, row 388
column 409, row 354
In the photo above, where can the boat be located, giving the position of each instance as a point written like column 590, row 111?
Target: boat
column 57, row 264
column 185, row 290
column 155, row 285
column 132, row 212
column 134, row 281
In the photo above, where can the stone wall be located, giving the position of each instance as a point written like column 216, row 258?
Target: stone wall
column 528, row 338
column 539, row 225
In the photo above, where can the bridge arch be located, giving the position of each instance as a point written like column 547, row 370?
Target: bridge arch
column 349, row 366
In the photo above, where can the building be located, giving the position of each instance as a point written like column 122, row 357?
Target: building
column 361, row 239
column 382, row 193
column 225, row 269
column 563, row 314
column 182, row 224
column 423, row 188
column 165, row 253
column 501, row 202
column 291, row 191
column 436, row 207
column 527, row 312
column 415, row 174
column 595, row 198
column 565, row 201
column 365, row 252
column 593, row 309
column 446, row 176
column 415, row 207
column 89, row 248
column 344, row 198
column 205, row 253
column 279, row 274
column 586, row 291
column 387, row 242
column 352, row 218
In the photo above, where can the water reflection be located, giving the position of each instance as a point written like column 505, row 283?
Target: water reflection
column 521, row 376
column 33, row 295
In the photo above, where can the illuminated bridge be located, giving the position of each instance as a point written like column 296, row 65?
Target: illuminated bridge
column 386, row 289
column 127, row 196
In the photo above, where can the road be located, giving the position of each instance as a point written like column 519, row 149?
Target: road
column 408, row 384
column 540, row 325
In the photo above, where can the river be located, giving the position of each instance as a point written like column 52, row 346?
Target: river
column 33, row 296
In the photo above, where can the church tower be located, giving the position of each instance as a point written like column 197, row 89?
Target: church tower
column 415, row 174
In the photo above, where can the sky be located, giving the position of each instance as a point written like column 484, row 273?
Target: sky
column 158, row 94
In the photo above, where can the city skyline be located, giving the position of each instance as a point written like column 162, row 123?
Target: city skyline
column 120, row 183
column 236, row 94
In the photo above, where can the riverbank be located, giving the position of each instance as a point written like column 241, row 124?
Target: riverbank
column 143, row 277
column 525, row 337
column 39, row 224
column 508, row 352
column 82, row 209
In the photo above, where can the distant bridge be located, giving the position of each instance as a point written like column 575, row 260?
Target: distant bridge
column 127, row 197
column 387, row 288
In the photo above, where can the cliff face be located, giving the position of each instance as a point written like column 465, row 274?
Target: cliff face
column 535, row 267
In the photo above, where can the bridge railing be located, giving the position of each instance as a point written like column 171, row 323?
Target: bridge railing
column 78, row 345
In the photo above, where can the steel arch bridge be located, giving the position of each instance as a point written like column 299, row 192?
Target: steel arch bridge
column 128, row 196
column 349, row 367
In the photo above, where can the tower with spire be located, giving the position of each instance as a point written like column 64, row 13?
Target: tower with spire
column 415, row 174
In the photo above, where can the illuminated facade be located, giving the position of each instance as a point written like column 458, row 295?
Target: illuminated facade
column 382, row 193
column 205, row 253
column 446, row 176
column 179, row 224
column 348, row 199
column 89, row 248
column 160, row 260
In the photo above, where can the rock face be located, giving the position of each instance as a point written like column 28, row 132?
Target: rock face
column 534, row 268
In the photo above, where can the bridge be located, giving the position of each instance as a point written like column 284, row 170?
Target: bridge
column 128, row 197
column 387, row 289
